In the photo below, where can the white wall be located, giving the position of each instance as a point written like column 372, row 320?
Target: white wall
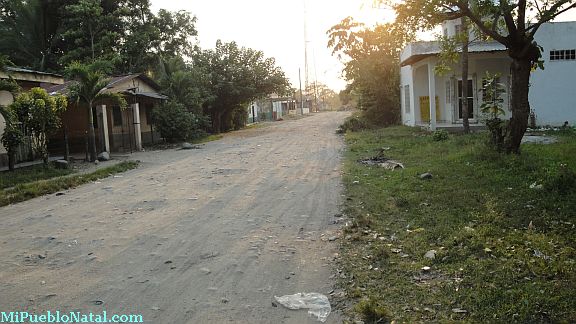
column 552, row 92
column 406, row 79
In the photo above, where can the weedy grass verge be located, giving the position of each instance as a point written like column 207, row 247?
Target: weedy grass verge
column 26, row 190
column 489, row 238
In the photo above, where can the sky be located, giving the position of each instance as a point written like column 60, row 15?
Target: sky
column 276, row 27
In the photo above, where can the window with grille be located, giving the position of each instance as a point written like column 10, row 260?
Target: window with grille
column 563, row 55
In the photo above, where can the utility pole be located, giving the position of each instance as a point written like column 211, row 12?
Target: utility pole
column 301, row 99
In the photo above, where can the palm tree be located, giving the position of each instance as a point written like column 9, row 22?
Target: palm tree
column 89, row 88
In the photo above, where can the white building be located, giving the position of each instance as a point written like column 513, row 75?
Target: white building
column 551, row 91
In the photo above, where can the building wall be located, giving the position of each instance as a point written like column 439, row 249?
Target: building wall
column 551, row 93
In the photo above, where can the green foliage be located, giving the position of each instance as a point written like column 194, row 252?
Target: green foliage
column 237, row 76
column 371, row 66
column 30, row 174
column 29, row 32
column 12, row 136
column 90, row 87
column 353, row 123
column 47, row 35
column 175, row 123
column 440, row 135
column 448, row 56
column 184, row 83
column 371, row 312
column 25, row 190
column 39, row 114
column 492, row 102
column 492, row 91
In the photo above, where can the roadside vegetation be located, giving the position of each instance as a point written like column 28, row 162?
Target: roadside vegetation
column 27, row 183
column 490, row 237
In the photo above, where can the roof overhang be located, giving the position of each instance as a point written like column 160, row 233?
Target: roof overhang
column 417, row 51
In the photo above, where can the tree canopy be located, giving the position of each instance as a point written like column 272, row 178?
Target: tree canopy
column 371, row 65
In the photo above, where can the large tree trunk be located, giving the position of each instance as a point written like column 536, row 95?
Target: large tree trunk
column 520, row 68
column 464, row 58
column 91, row 135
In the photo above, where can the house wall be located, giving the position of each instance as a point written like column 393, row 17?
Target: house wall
column 551, row 93
column 406, row 80
column 6, row 99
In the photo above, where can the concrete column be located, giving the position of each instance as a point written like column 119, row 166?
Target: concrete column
column 432, row 95
column 137, row 130
column 103, row 122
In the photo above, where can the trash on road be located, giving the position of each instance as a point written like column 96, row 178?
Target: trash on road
column 317, row 304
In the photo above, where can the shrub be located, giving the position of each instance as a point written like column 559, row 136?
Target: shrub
column 440, row 135
column 353, row 124
column 175, row 123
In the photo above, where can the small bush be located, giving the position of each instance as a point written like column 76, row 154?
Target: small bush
column 175, row 123
column 371, row 311
column 353, row 124
column 440, row 135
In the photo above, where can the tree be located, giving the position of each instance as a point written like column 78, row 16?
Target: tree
column 513, row 23
column 184, row 83
column 237, row 76
column 39, row 114
column 91, row 31
column 90, row 88
column 371, row 64
column 149, row 38
column 29, row 32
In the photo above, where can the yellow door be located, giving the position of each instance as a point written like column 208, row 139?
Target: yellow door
column 425, row 109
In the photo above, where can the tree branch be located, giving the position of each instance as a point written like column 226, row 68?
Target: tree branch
column 496, row 36
column 508, row 18
column 549, row 15
column 521, row 21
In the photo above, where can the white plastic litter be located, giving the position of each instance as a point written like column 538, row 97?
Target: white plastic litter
column 317, row 304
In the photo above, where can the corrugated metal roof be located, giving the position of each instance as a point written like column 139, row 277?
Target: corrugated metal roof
column 418, row 51
column 22, row 70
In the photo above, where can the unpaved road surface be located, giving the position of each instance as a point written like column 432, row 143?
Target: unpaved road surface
column 192, row 236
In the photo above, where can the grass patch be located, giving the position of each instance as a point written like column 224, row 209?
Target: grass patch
column 29, row 190
column 503, row 251
column 30, row 174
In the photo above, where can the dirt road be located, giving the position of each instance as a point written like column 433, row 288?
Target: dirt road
column 192, row 236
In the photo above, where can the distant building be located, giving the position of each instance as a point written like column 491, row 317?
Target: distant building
column 271, row 108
